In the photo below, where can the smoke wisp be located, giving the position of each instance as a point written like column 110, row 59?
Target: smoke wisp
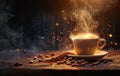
column 83, row 13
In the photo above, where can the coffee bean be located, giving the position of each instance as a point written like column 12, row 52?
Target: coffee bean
column 95, row 63
column 35, row 58
column 40, row 60
column 83, row 63
column 47, row 56
column 73, row 61
column 65, row 58
column 40, row 55
column 60, row 62
column 51, row 63
column 68, row 63
column 75, row 64
column 110, row 60
column 105, row 61
column 17, row 64
column 52, row 54
column 70, row 58
column 101, row 60
column 79, row 61
column 31, row 62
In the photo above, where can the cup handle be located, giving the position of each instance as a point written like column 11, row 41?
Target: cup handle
column 103, row 41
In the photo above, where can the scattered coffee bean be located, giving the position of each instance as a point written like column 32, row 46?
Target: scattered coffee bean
column 68, row 63
column 40, row 60
column 40, row 55
column 17, row 64
column 52, row 54
column 105, row 61
column 79, row 61
column 83, row 63
column 31, row 62
column 60, row 62
column 95, row 63
column 35, row 58
column 51, row 63
column 47, row 56
column 101, row 60
column 75, row 64
column 70, row 58
column 73, row 61
column 65, row 58
column 110, row 60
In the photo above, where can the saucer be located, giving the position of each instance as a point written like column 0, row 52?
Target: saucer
column 98, row 55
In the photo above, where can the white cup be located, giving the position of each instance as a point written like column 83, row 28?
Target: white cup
column 88, row 46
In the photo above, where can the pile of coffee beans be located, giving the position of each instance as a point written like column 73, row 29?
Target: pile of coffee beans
column 72, row 61
column 66, row 60
column 75, row 62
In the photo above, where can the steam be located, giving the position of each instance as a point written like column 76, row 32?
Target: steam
column 83, row 13
column 85, row 21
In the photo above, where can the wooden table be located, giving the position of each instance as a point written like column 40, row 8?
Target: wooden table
column 8, row 67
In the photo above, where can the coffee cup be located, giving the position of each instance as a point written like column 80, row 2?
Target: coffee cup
column 88, row 46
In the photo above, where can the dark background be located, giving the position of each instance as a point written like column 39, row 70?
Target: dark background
column 29, row 24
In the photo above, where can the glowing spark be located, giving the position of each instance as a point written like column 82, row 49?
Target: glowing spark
column 110, row 35
column 63, row 11
column 42, row 37
column 111, row 42
column 65, row 18
column 57, row 24
column 17, row 50
column 116, row 43
column 61, row 32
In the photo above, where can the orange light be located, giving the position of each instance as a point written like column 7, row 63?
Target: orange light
column 116, row 43
column 110, row 35
column 111, row 42
column 64, row 18
column 63, row 11
column 17, row 50
column 57, row 24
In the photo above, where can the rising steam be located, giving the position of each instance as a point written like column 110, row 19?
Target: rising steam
column 85, row 21
column 83, row 13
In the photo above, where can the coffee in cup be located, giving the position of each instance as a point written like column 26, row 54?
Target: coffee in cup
column 88, row 46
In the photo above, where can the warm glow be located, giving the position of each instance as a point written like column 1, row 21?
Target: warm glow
column 57, row 24
column 100, row 53
column 116, row 43
column 111, row 42
column 84, row 36
column 110, row 35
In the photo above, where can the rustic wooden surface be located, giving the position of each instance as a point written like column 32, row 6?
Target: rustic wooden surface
column 109, row 62
column 22, row 64
column 57, row 60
